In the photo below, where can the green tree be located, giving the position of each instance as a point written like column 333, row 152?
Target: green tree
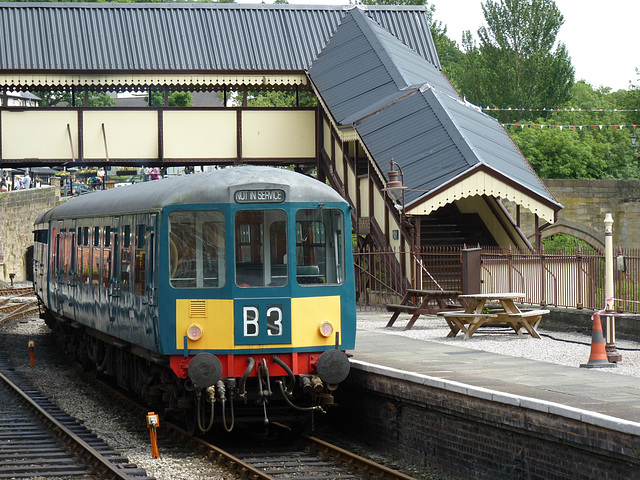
column 515, row 62
column 579, row 150
column 53, row 98
column 175, row 99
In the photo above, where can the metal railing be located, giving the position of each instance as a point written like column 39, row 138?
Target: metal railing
column 564, row 278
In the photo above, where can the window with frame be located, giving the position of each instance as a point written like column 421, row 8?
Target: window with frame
column 95, row 270
column 319, row 246
column 125, row 259
column 196, row 249
column 139, row 272
column 261, row 263
column 106, row 257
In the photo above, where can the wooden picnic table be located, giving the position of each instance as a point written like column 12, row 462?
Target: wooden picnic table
column 475, row 315
column 423, row 302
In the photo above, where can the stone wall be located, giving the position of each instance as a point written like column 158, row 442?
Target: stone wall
column 585, row 204
column 18, row 212
column 476, row 436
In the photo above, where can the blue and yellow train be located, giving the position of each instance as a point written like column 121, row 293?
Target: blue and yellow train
column 233, row 287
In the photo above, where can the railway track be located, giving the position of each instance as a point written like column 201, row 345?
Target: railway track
column 317, row 459
column 311, row 459
column 37, row 439
column 17, row 303
column 16, row 291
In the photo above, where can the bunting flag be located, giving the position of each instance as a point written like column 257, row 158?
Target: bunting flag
column 567, row 127
column 577, row 110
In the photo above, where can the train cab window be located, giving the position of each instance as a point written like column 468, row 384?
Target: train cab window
column 196, row 249
column 261, row 263
column 319, row 246
column 125, row 259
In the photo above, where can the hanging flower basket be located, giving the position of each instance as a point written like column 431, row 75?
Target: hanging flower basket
column 126, row 172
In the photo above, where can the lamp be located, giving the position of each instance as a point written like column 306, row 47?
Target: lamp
column 394, row 186
column 396, row 189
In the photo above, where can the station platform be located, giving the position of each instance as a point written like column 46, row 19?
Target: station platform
column 595, row 396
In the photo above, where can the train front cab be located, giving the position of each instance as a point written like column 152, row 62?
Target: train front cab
column 263, row 299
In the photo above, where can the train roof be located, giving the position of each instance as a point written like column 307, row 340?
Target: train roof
column 216, row 186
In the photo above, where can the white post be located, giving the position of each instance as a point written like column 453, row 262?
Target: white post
column 608, row 262
column 610, row 345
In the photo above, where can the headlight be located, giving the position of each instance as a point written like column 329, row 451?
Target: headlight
column 194, row 332
column 325, row 329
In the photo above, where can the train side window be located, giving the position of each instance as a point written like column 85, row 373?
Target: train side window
column 260, row 263
column 96, row 261
column 196, row 249
column 55, row 258
column 139, row 271
column 66, row 253
column 319, row 246
column 84, row 257
column 125, row 259
column 72, row 263
column 106, row 257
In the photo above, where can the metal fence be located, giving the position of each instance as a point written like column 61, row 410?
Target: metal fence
column 563, row 278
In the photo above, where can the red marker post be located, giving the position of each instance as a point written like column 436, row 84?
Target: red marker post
column 32, row 348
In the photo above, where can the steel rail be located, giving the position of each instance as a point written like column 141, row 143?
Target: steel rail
column 90, row 455
column 355, row 461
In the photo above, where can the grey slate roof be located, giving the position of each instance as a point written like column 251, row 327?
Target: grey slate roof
column 181, row 37
column 406, row 109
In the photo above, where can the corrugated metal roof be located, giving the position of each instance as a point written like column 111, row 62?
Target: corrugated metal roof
column 181, row 37
column 364, row 63
column 406, row 109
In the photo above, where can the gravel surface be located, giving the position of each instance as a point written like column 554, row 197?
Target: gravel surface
column 562, row 348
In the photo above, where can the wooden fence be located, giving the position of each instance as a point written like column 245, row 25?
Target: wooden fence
column 563, row 278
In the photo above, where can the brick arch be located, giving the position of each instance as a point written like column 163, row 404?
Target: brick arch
column 582, row 232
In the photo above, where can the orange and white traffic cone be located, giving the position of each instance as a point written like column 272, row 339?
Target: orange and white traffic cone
column 598, row 357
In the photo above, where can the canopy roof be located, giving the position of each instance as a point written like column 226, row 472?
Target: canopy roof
column 404, row 108
column 130, row 44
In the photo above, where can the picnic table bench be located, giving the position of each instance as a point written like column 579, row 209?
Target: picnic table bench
column 475, row 315
column 423, row 302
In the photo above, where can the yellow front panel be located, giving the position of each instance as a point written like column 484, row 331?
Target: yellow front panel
column 216, row 319
column 306, row 316
column 214, row 316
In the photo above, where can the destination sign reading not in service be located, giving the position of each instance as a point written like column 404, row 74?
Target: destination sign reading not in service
column 265, row 195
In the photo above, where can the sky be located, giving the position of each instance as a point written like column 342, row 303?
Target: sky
column 601, row 37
